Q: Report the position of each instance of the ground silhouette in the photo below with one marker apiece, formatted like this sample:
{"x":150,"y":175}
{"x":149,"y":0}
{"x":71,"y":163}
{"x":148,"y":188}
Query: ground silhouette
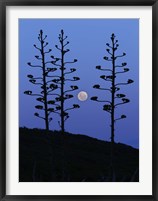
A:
{"x":49,"y":156}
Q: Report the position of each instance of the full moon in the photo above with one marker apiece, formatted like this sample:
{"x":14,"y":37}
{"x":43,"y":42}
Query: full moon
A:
{"x":82,"y":96}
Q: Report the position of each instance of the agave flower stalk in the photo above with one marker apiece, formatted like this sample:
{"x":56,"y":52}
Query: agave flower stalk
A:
{"x":65,"y":70}
{"x":42,"y":81}
{"x":110,"y":76}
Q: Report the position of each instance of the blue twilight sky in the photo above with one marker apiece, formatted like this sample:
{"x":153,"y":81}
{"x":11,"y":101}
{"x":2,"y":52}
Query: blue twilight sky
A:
{"x":88,"y":38}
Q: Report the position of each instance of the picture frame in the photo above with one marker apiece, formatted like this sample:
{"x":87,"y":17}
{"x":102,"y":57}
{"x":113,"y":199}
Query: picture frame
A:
{"x":3,"y":100}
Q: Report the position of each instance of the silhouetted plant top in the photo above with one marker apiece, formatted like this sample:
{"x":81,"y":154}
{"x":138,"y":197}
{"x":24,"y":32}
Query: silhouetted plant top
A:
{"x":65,"y":70}
{"x":110,"y":76}
{"x":44,"y":81}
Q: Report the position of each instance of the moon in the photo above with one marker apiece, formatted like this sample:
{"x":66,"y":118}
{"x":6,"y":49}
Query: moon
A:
{"x":82,"y":96}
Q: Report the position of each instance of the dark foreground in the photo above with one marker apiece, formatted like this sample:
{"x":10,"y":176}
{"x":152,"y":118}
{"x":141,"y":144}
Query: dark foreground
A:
{"x":53,"y":157}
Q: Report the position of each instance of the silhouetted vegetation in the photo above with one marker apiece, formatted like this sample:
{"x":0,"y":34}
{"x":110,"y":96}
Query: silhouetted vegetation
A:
{"x":117,"y":98}
{"x":47,"y":156}
{"x":110,"y":76}
{"x":65,"y":69}
{"x":56,"y":102}
{"x":43,"y":80}
{"x":41,"y":158}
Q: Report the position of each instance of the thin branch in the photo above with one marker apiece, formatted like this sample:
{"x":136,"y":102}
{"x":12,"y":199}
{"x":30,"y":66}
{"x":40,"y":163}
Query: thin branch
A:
{"x":109,"y":52}
{"x":66,"y":43}
{"x":109,"y":45}
{"x":70,"y":62}
{"x":120,"y":55}
{"x":45,"y":44}
{"x":37,"y":47}
{"x":49,"y":62}
{"x":34,"y":82}
{"x":36,"y":95}
{"x":103,"y":101}
{"x":122,"y":117}
{"x":103,"y":69}
{"x":68,"y":72}
{"x":106,"y":78}
{"x":56,"y":112}
{"x":65,"y":38}
{"x":104,"y":89}
{"x":40,"y":117}
{"x":37,"y":83}
{"x":48,"y":51}
{"x":70,"y":80}
{"x":34,"y":66}
{"x":57,"y":47}
{"x":68,"y":91}
{"x":121,"y":72}
{"x":121,"y":84}
{"x":72,"y":70}
{"x":57,"y":64}
{"x":97,"y":86}
{"x":37,"y":57}
{"x":45,"y":37}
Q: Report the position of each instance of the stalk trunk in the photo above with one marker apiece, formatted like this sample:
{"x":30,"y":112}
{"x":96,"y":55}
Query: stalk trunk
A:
{"x":62,"y":85}
{"x":44,"y":84}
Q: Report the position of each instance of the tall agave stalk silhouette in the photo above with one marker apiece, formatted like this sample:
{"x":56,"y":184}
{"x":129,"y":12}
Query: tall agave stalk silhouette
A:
{"x":64,"y":71}
{"x":110,"y":76}
{"x":46,"y":85}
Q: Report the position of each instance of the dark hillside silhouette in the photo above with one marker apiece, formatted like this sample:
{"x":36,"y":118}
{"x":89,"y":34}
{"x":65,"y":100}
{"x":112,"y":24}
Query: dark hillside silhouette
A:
{"x":41,"y":158}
